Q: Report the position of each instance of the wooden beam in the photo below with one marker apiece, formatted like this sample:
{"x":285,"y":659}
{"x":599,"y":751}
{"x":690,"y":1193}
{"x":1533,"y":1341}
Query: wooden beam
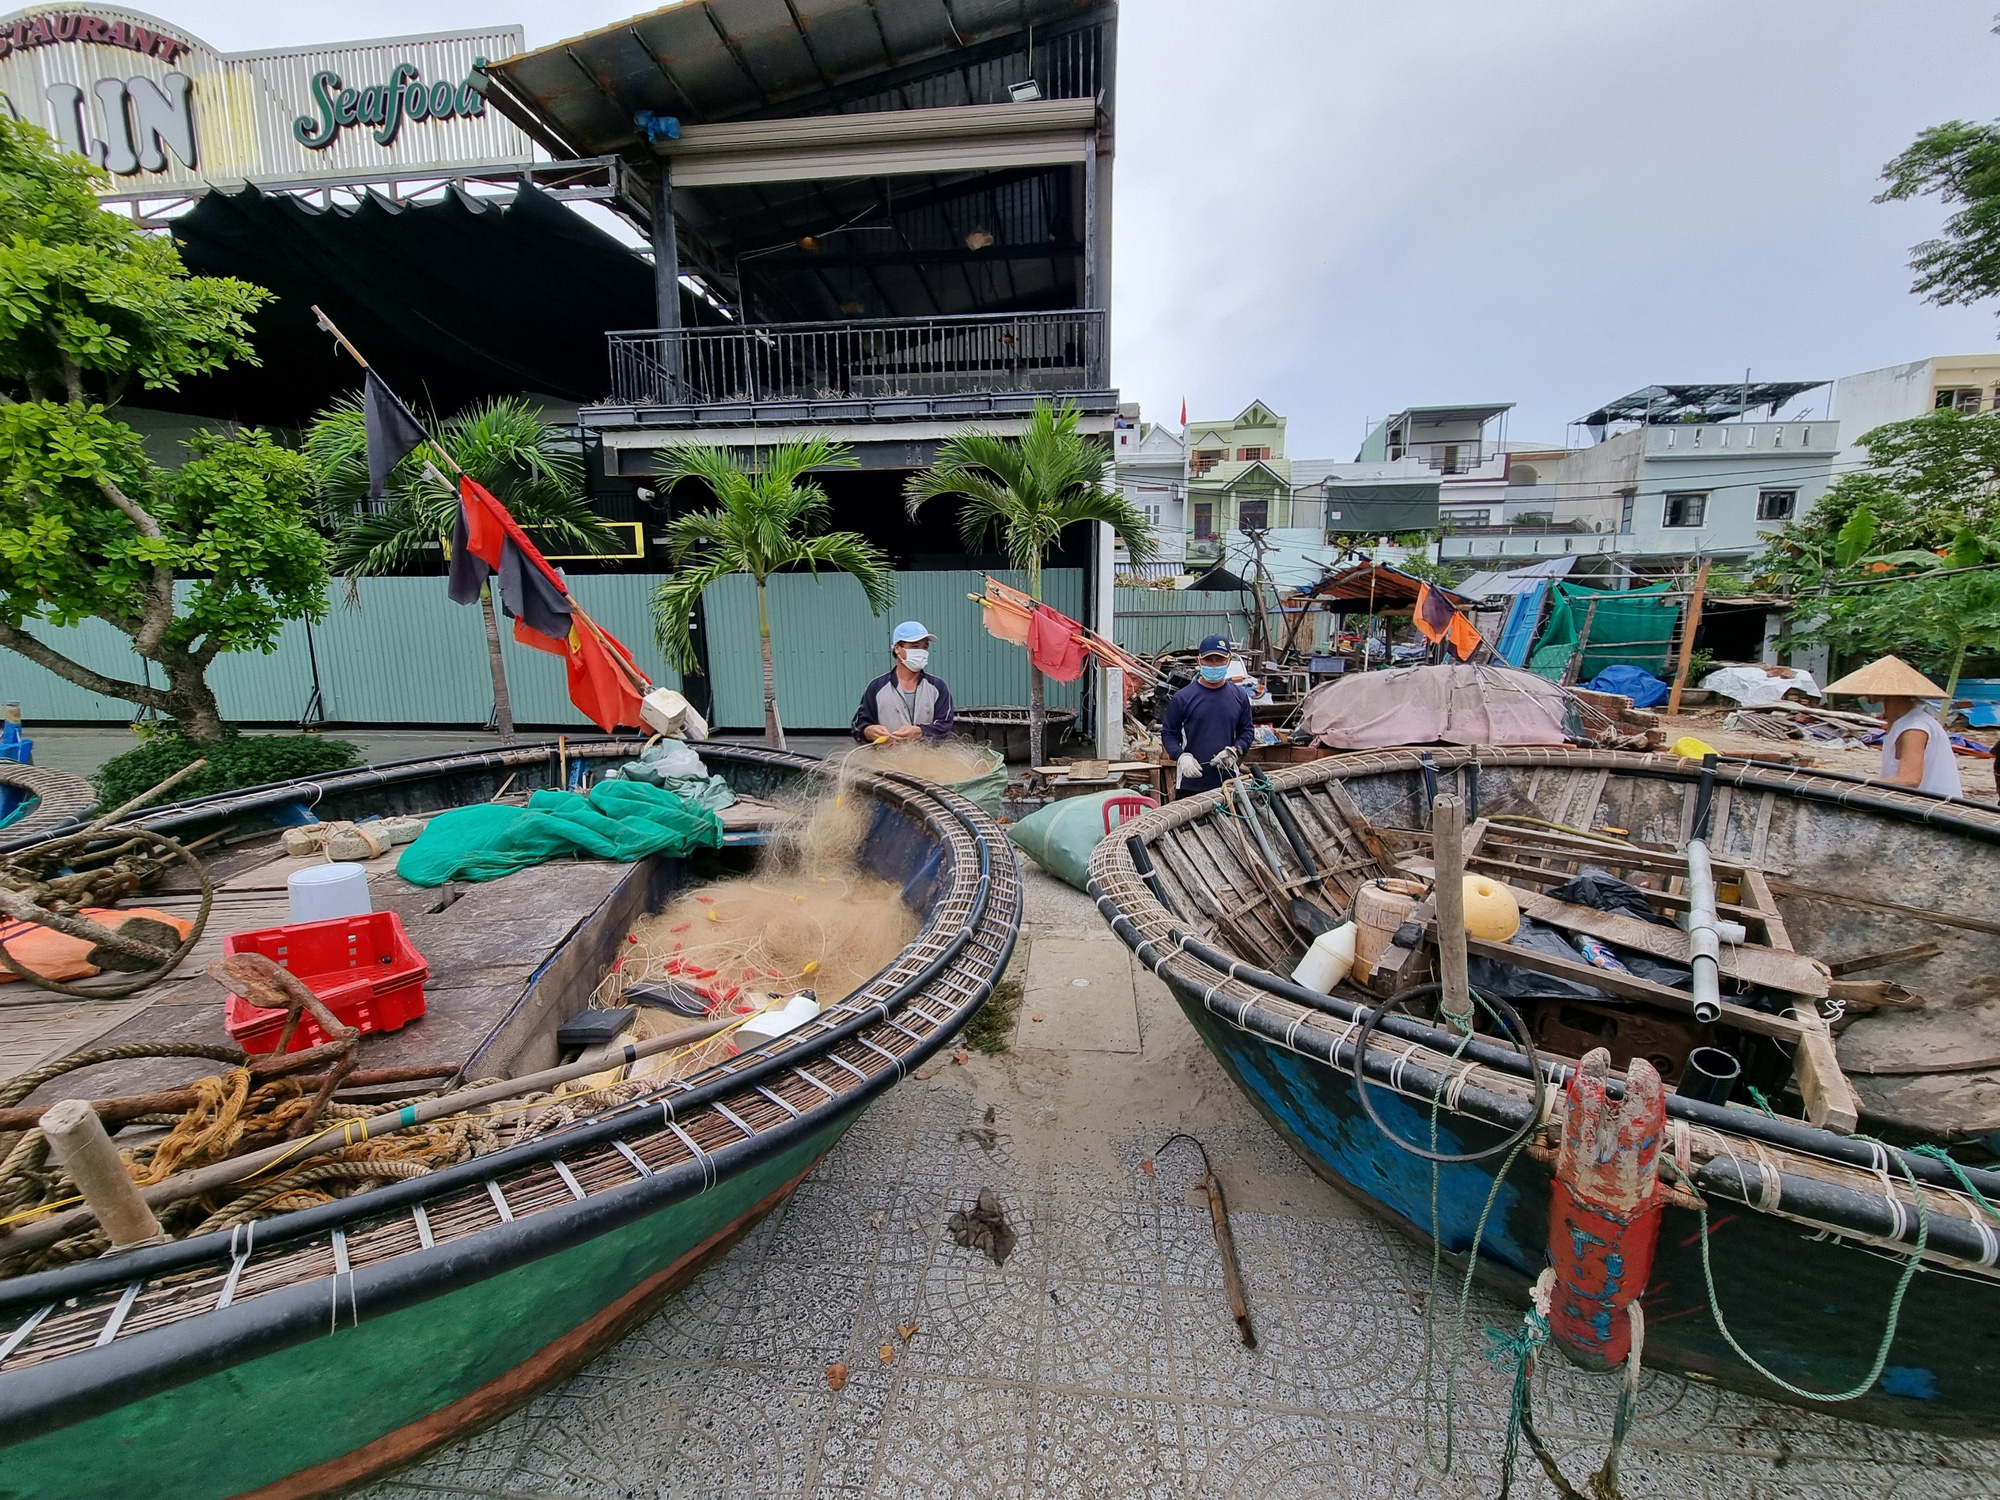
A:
{"x":1774,"y":968}
{"x":1909,"y":954}
{"x":1894,"y":908}
{"x":1632,"y":987}
{"x":1359,"y":825}
{"x":1688,"y":627}
{"x":1448,"y":894}
{"x":1830,"y":1100}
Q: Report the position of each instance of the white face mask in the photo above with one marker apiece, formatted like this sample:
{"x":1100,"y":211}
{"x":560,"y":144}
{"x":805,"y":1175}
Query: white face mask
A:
{"x":916,"y":658}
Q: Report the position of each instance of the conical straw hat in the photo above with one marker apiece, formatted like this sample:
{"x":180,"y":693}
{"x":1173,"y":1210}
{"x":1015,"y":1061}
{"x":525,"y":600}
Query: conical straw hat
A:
{"x":1890,"y":677}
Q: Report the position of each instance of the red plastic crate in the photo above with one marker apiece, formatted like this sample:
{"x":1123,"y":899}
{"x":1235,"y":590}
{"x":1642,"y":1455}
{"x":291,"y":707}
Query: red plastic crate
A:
{"x":364,"y":969}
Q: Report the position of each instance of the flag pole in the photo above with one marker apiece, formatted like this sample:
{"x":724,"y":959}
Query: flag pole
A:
{"x":633,"y":676}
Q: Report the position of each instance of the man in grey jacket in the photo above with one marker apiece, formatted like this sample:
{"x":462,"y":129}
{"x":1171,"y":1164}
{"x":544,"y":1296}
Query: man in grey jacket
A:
{"x":906,"y":702}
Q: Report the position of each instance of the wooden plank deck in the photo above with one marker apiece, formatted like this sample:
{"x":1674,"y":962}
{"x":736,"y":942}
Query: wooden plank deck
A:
{"x":483,"y":942}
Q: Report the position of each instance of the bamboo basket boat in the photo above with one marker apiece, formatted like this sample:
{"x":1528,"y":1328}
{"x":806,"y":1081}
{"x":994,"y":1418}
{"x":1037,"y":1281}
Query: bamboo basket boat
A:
{"x":310,"y":1352}
{"x":1812,"y":1233}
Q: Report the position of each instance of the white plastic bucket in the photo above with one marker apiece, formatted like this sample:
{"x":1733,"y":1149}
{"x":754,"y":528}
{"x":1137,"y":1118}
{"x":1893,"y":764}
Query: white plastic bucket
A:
{"x":321,"y":892}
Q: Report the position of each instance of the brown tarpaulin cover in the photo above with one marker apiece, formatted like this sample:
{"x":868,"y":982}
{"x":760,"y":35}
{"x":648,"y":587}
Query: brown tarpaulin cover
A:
{"x":1453,"y":705}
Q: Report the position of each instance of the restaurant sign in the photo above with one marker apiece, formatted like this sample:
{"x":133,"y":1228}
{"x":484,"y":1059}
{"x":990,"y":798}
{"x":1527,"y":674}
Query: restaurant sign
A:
{"x":162,"y":112}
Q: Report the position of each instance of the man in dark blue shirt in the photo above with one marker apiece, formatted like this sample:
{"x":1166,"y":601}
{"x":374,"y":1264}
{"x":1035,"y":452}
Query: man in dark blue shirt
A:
{"x":1207,"y":727}
{"x":905,"y":702}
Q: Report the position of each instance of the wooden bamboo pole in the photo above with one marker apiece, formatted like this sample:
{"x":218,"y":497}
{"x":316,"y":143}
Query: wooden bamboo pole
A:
{"x":1688,"y":627}
{"x":1448,"y":895}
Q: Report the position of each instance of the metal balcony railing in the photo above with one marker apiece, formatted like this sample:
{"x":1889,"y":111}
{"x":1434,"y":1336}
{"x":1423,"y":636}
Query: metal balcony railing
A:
{"x":912,"y":357}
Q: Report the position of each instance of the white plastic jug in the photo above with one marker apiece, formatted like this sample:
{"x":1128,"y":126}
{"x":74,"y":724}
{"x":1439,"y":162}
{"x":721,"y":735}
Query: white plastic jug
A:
{"x":1327,"y":961}
{"x":321,"y":892}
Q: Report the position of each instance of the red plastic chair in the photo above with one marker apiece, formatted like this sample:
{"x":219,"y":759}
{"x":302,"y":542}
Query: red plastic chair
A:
{"x":1129,"y":806}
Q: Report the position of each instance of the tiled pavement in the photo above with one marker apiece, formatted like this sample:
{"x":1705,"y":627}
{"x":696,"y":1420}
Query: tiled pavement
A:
{"x":1101,"y":1360}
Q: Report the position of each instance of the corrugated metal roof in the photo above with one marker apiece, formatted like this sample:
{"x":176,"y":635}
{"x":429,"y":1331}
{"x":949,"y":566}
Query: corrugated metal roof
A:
{"x":711,"y":60}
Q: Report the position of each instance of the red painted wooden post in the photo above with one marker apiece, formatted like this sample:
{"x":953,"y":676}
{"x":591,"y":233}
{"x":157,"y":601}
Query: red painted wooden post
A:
{"x":1604,"y":1214}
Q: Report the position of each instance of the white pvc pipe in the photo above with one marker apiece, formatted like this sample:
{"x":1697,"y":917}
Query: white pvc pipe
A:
{"x":1704,"y":941}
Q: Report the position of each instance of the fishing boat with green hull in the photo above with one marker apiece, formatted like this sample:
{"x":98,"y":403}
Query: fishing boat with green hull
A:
{"x":312,"y":1351}
{"x":1830,"y":1235}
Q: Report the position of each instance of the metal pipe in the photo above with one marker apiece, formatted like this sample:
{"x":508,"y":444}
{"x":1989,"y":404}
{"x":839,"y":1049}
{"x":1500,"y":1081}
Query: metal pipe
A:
{"x":1704,"y":942}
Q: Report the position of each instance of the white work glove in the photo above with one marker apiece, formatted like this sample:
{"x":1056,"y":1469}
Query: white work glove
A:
{"x":1225,"y":761}
{"x":1189,"y":767}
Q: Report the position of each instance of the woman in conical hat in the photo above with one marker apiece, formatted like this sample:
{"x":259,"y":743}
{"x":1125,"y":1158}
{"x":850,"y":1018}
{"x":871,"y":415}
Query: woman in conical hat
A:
{"x":1916,"y":750}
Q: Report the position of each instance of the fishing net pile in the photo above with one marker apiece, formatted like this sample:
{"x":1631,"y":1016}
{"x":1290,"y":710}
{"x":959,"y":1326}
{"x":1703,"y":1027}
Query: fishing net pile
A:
{"x":807,"y":919}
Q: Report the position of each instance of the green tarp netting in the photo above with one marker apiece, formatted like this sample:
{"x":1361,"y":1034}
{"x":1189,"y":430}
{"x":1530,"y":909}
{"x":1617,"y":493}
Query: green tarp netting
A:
{"x":1630,"y":626}
{"x":623,"y":820}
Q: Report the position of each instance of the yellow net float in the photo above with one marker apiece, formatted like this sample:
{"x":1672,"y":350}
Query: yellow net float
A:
{"x":1491,"y":912}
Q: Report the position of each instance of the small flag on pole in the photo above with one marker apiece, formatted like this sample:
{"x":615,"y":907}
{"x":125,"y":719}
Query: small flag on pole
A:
{"x":392,"y":432}
{"x":486,"y":541}
{"x":1183,"y":411}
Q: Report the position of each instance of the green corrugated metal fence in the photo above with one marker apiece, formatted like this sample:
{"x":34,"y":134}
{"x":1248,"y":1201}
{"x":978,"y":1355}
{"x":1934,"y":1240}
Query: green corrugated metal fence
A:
{"x":826,"y":645}
{"x":403,"y":653}
{"x":1149,"y":621}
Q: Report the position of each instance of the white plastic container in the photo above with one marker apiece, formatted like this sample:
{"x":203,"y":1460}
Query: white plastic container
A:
{"x":759,"y":1029}
{"x":321,"y":892}
{"x":1327,"y":961}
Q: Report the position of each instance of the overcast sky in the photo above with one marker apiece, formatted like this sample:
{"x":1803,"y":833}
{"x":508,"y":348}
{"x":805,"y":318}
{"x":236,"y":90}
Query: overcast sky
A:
{"x":1347,"y":208}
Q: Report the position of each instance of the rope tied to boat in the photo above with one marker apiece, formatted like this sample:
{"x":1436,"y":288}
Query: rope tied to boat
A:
{"x":1913,"y":1262}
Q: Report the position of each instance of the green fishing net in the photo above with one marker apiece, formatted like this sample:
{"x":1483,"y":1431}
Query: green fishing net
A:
{"x":624,"y":820}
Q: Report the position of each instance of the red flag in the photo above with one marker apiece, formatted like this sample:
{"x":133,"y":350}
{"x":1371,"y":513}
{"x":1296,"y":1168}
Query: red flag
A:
{"x":487,"y":542}
{"x":601,"y":673}
{"x":1052,"y":645}
{"x":1183,"y":411}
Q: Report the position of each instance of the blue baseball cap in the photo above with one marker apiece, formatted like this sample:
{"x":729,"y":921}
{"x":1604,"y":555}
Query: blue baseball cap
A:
{"x":1214,"y":645}
{"x":908,"y":632}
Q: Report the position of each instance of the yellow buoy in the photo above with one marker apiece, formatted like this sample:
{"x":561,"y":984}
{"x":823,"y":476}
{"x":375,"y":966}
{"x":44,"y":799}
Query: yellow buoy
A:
{"x":1491,"y":912}
{"x":1687,"y":747}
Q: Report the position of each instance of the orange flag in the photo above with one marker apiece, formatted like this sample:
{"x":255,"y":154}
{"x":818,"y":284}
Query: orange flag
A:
{"x":1008,"y":613}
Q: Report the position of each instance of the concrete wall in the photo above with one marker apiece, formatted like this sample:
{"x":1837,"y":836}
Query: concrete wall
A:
{"x":1732,"y":462}
{"x":1863,"y":402}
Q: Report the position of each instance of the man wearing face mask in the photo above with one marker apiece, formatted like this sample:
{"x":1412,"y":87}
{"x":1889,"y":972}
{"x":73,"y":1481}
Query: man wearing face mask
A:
{"x":906,"y":702}
{"x":1207,"y":727}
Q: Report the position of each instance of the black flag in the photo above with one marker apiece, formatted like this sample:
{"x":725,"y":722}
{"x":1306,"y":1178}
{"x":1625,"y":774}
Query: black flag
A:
{"x":392,"y":432}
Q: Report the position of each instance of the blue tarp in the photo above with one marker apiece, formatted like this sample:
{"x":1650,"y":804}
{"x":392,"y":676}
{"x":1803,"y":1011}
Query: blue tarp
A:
{"x":1523,"y":615}
{"x":1643,"y":688}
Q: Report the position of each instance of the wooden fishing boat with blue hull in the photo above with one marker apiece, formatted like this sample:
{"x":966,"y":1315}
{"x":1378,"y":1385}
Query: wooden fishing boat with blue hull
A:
{"x":312,"y":1351}
{"x":1811,"y":1230}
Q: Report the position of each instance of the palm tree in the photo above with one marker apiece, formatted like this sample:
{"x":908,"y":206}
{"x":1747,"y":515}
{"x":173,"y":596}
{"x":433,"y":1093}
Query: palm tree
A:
{"x":530,"y":465}
{"x":768,"y":517}
{"x":1029,"y":490}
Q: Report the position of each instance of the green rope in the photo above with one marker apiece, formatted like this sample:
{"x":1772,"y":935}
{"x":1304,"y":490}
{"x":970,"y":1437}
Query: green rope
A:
{"x":1910,"y":1268}
{"x":1757,"y":1098}
{"x":1938,"y":1153}
{"x":1519,"y":1349}
{"x":1465,"y":1286}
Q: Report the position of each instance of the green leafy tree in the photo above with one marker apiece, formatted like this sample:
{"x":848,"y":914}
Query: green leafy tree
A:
{"x":189,"y":563}
{"x":768,"y":518}
{"x":1931,"y":608}
{"x":531,"y":466}
{"x":1028,"y":491}
{"x":1928,"y":479}
{"x":1958,"y":163}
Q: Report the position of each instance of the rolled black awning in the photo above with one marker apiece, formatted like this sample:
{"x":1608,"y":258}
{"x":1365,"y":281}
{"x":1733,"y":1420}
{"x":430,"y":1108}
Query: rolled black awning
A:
{"x":453,"y":300}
